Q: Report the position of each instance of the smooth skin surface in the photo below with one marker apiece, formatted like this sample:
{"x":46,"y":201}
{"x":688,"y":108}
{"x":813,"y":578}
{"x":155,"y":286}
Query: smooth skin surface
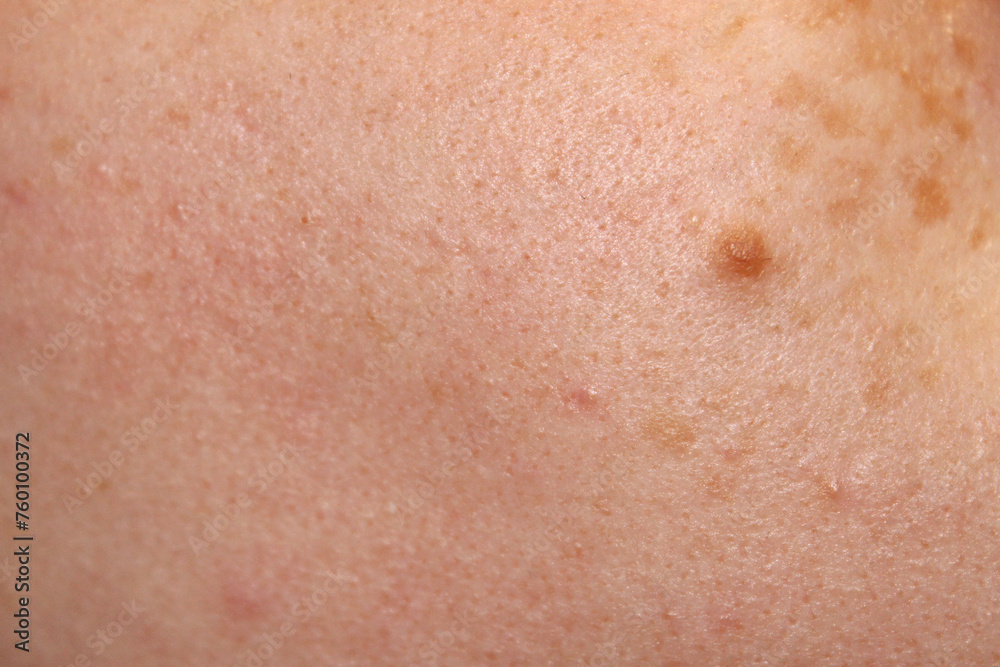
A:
{"x":498,"y":333}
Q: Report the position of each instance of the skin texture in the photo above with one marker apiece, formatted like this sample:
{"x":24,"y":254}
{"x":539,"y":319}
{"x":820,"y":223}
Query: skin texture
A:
{"x":505,"y":333}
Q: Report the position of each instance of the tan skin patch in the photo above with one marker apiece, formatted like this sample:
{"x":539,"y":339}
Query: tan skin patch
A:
{"x":740,"y":252}
{"x":966,"y":51}
{"x":793,"y":155}
{"x":930,"y":200}
{"x":671,"y":432}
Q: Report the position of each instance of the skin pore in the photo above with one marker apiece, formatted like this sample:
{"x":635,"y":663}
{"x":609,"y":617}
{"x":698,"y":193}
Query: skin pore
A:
{"x":505,"y":333}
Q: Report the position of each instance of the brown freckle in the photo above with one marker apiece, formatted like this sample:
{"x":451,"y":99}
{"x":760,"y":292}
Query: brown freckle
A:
{"x":15,"y":193}
{"x":792,"y":154}
{"x":965,"y":51}
{"x":793,"y":91}
{"x":930,"y":201}
{"x":663,"y":289}
{"x":672,"y":432}
{"x":665,"y":68}
{"x":741,"y":252}
{"x":734,"y":28}
{"x":876,"y":392}
{"x":844,"y":212}
{"x":305,"y":220}
{"x":837,"y":121}
{"x":61,"y":145}
{"x":977,"y":237}
{"x":930,"y":376}
{"x":178,"y":116}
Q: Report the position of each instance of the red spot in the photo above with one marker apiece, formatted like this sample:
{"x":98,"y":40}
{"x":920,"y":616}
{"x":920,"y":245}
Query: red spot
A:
{"x":583,"y":398}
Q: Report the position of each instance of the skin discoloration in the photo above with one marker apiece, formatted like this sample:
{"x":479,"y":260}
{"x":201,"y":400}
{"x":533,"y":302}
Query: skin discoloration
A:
{"x":930,"y":200}
{"x":670,"y":431}
{"x":793,"y":154}
{"x":741,"y":252}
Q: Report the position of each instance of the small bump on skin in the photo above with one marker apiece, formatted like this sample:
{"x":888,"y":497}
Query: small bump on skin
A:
{"x":930,"y":200}
{"x":740,"y":252}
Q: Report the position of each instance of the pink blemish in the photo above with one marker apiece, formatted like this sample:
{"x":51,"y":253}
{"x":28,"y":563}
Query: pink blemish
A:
{"x":583,"y":398}
{"x":16,"y":194}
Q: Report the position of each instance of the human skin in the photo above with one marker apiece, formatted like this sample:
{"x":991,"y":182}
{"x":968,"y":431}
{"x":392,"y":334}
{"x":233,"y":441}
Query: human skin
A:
{"x":646,"y":333}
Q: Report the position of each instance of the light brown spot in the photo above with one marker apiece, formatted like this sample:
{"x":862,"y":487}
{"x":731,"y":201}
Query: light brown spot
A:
{"x":876,"y":392}
{"x":793,"y":154}
{"x":930,"y":200}
{"x":844,"y":212}
{"x":670,"y":431}
{"x":838,"y":121}
{"x":665,"y":68}
{"x":61,"y":145}
{"x":965,"y":51}
{"x":734,"y":28}
{"x":740,"y":252}
{"x":178,"y":116}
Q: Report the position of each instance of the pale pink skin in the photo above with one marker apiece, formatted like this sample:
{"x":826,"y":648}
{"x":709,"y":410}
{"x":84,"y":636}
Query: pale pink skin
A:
{"x":626,"y":333}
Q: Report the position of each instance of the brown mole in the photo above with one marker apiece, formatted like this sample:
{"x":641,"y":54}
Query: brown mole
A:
{"x":740,"y":251}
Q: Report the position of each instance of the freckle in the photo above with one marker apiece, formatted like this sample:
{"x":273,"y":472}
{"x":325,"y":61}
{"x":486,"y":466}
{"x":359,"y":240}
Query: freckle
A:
{"x":843,"y":213}
{"x":61,"y":145}
{"x":977,"y":237}
{"x":965,"y":51}
{"x":876,"y":392}
{"x":931,"y":203}
{"x":962,"y":128}
{"x":837,"y":121}
{"x":665,"y":68}
{"x":178,"y":116}
{"x":734,"y":28}
{"x":15,"y":193}
{"x":793,"y":91}
{"x":929,"y":377}
{"x":740,"y":252}
{"x":663,"y":289}
{"x":793,"y":154}
{"x":672,"y":432}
